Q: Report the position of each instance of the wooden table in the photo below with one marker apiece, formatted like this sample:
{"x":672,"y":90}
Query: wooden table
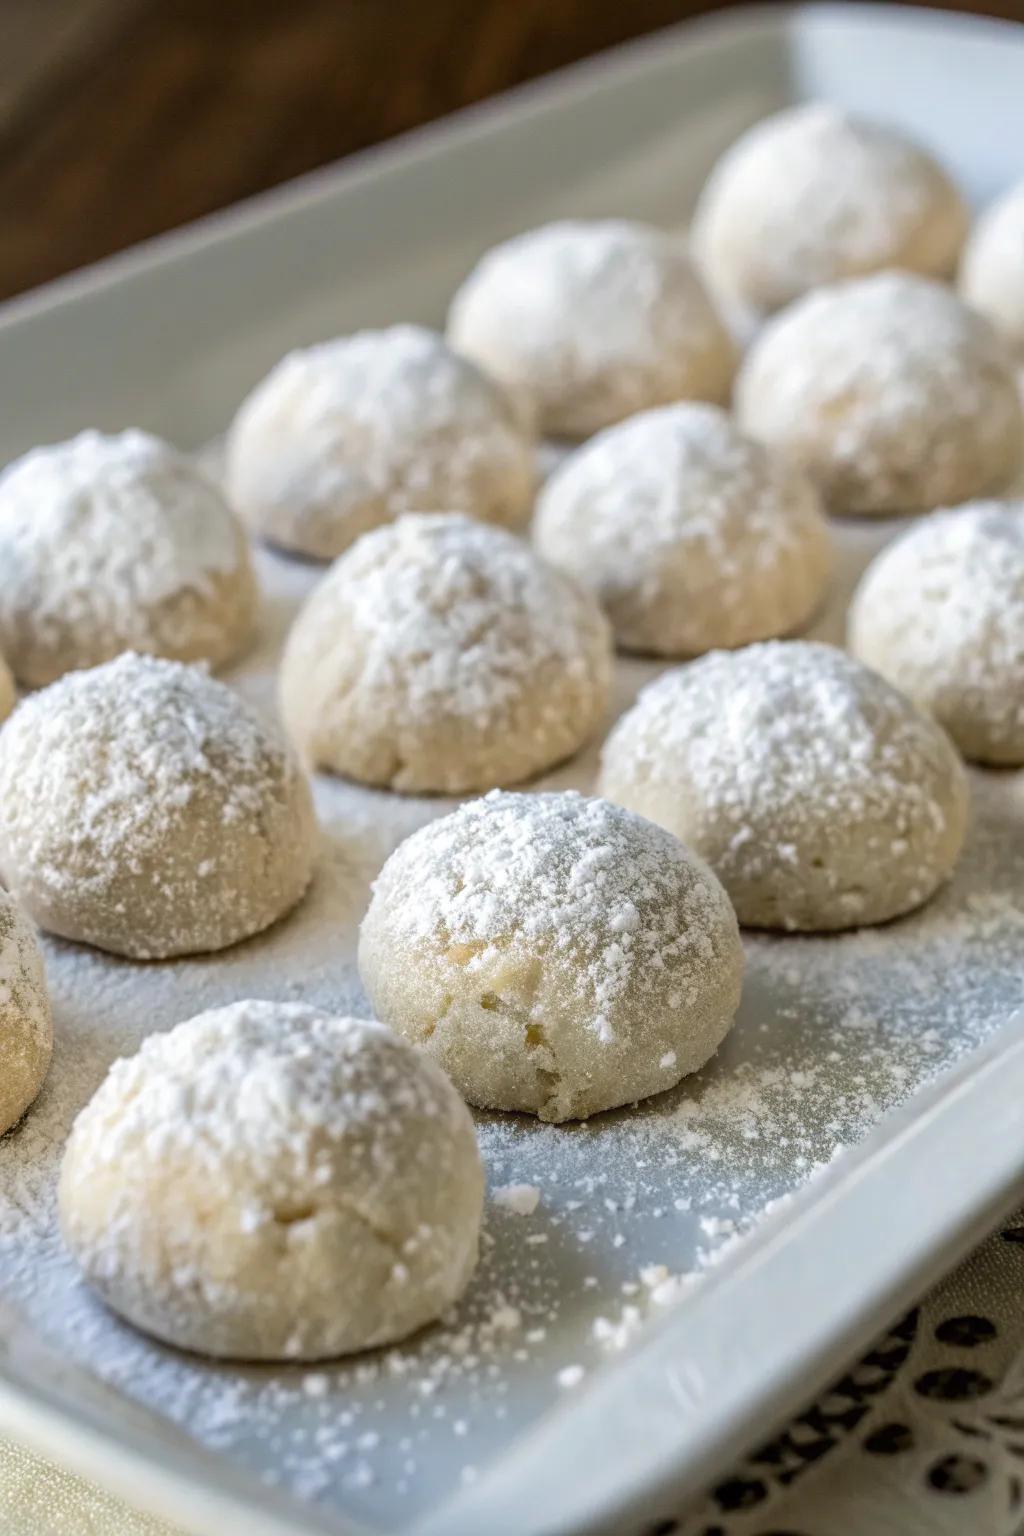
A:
{"x":123,"y":118}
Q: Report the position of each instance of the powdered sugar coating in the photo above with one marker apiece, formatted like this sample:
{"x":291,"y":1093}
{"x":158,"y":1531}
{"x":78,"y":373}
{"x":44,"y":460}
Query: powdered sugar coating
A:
{"x":992,"y":268}
{"x":819,"y":795}
{"x":268,"y":1181}
{"x":691,"y":535}
{"x":26,"y":1028}
{"x":442,"y":655}
{"x":342,"y":437}
{"x":814,"y":194}
{"x":115,"y":543}
{"x":554,"y":953}
{"x":890,"y":392}
{"x":146,"y":809}
{"x":940,"y":613}
{"x":592,"y":321}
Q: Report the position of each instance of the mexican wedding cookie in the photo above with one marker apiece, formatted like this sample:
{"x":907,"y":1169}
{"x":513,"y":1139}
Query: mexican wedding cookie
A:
{"x":940,"y":613}
{"x":344,"y":436}
{"x":892,"y":394}
{"x":146,"y":809}
{"x":26,"y":1028}
{"x":555,"y":954}
{"x":592,"y":322}
{"x":992,"y":269}
{"x":819,"y":795}
{"x":110,"y":544}
{"x":269,"y":1182}
{"x":442,"y":656}
{"x":689,"y":534}
{"x":814,"y":194}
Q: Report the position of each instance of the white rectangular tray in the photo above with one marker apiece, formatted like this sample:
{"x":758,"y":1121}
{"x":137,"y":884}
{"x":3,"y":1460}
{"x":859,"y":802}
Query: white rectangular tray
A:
{"x":897,"y":1044}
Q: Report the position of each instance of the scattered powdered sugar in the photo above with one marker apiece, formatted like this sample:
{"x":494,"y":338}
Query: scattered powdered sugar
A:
{"x":520,"y":1199}
{"x":832,"y":1033}
{"x":114,"y":542}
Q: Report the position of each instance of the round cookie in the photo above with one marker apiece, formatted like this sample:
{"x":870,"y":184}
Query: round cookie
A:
{"x":940,"y":613}
{"x":270,"y":1182}
{"x":344,"y":436}
{"x":592,"y":321}
{"x":146,"y":809}
{"x":815,"y":194}
{"x":26,"y":1028}
{"x":691,"y":535}
{"x":442,"y":656}
{"x":819,"y":795}
{"x":992,"y":267}
{"x":555,"y":954}
{"x":892,"y":394}
{"x":117,"y":543}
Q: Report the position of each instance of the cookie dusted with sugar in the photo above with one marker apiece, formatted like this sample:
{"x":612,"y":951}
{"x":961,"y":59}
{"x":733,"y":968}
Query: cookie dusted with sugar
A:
{"x":342,"y":437}
{"x":146,"y":809}
{"x":815,"y":194}
{"x":940,"y":613}
{"x":592,"y":321}
{"x":271,"y":1182}
{"x":26,"y":1027}
{"x":442,"y":656}
{"x":818,"y":794}
{"x":689,"y":534}
{"x":118,"y":543}
{"x":555,"y":954}
{"x":992,"y":268}
{"x":891,"y":393}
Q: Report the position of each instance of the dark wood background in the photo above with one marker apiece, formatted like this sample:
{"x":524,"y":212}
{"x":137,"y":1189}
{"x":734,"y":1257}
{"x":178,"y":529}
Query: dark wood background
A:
{"x":123,"y":118}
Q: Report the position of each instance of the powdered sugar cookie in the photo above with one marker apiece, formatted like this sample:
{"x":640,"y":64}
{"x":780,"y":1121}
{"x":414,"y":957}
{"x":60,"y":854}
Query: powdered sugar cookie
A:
{"x":814,"y":194}
{"x":117,"y":543}
{"x":554,"y":954}
{"x":819,"y":795}
{"x":342,"y":437}
{"x":439,"y":655}
{"x":26,"y":1028}
{"x":270,"y":1182}
{"x":992,"y":268}
{"x":940,"y":613}
{"x":146,"y":809}
{"x":690,"y":535}
{"x":592,"y":321}
{"x":893,"y":395}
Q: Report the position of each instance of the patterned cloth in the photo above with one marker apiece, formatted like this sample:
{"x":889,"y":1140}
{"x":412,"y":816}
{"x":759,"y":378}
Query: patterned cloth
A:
{"x":925,"y":1437}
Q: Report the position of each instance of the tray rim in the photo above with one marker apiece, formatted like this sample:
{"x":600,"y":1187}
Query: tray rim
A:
{"x":206,"y":1489}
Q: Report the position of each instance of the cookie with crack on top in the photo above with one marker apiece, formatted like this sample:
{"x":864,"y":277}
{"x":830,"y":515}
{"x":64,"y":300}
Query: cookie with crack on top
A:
{"x":555,"y":954}
{"x":26,"y":1026}
{"x":344,"y":436}
{"x":691,"y":536}
{"x":146,"y":809}
{"x":940,"y":613}
{"x":118,"y":543}
{"x":271,"y":1182}
{"x":814,"y":194}
{"x":819,"y":795}
{"x":442,"y":656}
{"x":591,"y":321}
{"x":889,"y":392}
